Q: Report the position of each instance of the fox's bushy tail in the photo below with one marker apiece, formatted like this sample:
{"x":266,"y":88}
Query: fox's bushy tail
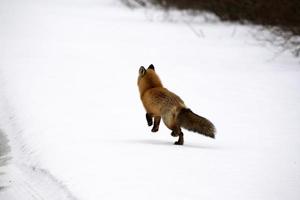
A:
{"x":193,"y":122}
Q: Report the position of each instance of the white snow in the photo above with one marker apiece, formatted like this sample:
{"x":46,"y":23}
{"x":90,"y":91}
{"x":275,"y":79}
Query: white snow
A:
{"x":70,"y":107}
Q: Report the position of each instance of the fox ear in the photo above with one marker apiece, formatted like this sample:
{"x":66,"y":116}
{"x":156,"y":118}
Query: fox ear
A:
{"x":151,"y":67}
{"x":142,"y":70}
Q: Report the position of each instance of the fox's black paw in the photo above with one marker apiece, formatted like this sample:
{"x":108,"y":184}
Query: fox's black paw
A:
{"x":154,"y":129}
{"x":178,"y":143}
{"x":150,"y":123}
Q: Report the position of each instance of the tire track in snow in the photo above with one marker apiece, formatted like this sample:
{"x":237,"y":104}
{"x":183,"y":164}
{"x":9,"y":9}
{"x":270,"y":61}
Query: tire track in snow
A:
{"x":4,"y":150}
{"x":26,"y":182}
{"x":31,"y":183}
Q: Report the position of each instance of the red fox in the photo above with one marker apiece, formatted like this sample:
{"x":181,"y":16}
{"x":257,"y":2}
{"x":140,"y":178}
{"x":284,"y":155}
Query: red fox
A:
{"x":161,"y":103}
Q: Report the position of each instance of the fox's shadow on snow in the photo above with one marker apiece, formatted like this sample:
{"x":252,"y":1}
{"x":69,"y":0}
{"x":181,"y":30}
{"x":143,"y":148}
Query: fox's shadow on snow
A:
{"x":165,"y":143}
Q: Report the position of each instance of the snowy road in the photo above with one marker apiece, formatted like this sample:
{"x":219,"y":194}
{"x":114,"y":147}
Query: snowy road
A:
{"x":70,"y":108}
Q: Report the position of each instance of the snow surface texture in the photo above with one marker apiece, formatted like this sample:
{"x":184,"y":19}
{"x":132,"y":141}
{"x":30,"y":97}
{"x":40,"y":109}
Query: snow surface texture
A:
{"x":70,"y":107}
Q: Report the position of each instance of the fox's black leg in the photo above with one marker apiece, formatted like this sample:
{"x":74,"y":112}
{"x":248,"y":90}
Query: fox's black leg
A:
{"x":149,"y":119}
{"x":180,"y":140}
{"x":177,"y":132}
{"x":156,"y":124}
{"x":174,"y":134}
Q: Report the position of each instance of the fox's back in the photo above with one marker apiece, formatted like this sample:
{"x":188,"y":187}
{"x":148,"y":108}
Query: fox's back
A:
{"x":160,"y":101}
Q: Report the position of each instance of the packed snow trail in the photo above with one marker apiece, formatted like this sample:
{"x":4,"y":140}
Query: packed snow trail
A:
{"x":20,"y":178}
{"x":71,"y":110}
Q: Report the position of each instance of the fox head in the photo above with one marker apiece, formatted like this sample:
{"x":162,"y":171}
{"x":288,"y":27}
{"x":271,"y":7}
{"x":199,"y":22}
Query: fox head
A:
{"x":148,"y":79}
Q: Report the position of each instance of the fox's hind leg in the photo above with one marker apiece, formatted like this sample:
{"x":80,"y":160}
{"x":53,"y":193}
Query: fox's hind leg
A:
{"x":180,"y":140}
{"x":149,"y":119}
{"x":177,"y":132}
{"x":156,"y":124}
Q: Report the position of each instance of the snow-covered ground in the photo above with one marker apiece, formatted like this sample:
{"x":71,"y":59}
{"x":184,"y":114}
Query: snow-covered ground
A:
{"x":70,"y":107}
